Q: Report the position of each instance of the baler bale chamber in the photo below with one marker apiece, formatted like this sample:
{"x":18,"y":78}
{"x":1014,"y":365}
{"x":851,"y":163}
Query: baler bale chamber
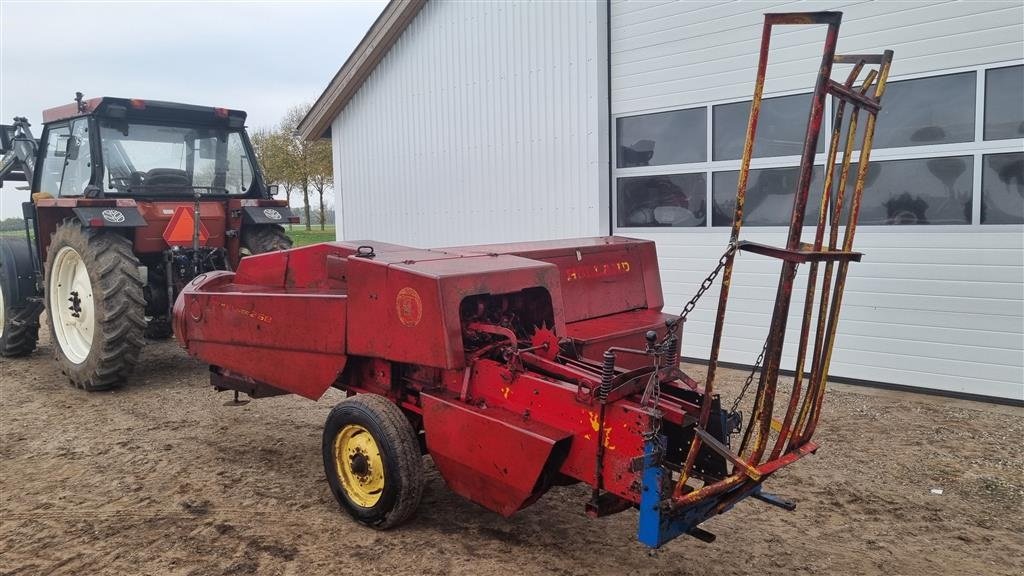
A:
{"x":518,"y":367}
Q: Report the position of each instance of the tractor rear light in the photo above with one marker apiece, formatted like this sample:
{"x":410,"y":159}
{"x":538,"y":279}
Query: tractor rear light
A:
{"x":293,"y":219}
{"x":95,"y":222}
{"x":220,"y":112}
{"x":138,"y":104}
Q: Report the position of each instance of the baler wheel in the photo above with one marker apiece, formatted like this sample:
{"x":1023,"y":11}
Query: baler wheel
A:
{"x":372,"y":461}
{"x":95,"y":304}
{"x":260,"y":238}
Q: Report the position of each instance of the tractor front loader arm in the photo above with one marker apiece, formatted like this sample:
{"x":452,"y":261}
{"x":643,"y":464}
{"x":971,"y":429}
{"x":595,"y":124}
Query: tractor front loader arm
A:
{"x":19,"y":149}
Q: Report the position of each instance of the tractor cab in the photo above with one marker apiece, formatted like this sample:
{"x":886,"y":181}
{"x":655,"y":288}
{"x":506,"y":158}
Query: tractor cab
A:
{"x":121,"y":147}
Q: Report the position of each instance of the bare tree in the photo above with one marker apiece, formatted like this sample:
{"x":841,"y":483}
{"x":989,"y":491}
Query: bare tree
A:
{"x":321,"y":175}
{"x":295,"y":163}
{"x":272,"y":149}
{"x":309,"y":165}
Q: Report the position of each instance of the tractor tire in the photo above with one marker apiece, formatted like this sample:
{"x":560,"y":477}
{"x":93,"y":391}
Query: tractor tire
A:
{"x":372,"y":460}
{"x":260,"y":238}
{"x":19,"y":304}
{"x":96,"y":305}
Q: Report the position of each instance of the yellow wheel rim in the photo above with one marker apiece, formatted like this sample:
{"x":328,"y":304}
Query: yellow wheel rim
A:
{"x":359,"y":465}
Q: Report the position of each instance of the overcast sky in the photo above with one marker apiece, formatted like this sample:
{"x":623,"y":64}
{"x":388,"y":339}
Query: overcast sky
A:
{"x":261,"y":57}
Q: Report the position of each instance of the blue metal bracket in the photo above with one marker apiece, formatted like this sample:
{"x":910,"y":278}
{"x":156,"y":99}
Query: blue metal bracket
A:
{"x":658,"y":525}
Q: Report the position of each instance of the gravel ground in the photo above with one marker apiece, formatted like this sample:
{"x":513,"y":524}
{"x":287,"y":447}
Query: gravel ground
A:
{"x":161,"y":478}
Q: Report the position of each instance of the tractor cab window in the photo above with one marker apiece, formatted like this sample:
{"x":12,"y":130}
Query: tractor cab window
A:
{"x":77,"y":160}
{"x":163,"y":159}
{"x":53,"y":163}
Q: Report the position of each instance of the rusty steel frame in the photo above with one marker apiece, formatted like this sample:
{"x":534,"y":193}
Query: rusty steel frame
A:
{"x":794,"y":439}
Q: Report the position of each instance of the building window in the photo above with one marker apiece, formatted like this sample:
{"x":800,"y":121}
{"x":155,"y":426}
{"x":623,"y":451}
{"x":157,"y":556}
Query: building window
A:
{"x":927,"y":111}
{"x":663,"y":200}
{"x":1002,"y":189}
{"x":676,"y":137}
{"x":769,"y":200}
{"x":1004,"y":106}
{"x":948,"y":150}
{"x":918,"y":191}
{"x":777,"y":133}
{"x":924,"y":112}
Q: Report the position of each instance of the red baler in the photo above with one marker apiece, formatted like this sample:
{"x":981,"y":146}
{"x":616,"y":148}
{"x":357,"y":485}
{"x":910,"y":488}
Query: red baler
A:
{"x":518,"y":367}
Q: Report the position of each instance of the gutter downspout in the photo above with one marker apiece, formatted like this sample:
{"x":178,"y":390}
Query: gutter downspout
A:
{"x":611,"y":137}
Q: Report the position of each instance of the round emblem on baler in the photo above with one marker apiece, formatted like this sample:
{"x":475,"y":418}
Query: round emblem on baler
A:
{"x":409,"y":307}
{"x":114,"y":216}
{"x":271,"y":213}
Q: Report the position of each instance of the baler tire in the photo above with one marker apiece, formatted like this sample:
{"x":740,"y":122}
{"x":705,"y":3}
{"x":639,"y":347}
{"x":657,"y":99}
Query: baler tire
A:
{"x":399,"y":451}
{"x":117,"y":302}
{"x":262,"y":238}
{"x":19,"y":306}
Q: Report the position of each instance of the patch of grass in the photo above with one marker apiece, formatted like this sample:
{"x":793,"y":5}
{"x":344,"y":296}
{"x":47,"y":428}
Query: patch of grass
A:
{"x":302,"y":237}
{"x":19,"y":233}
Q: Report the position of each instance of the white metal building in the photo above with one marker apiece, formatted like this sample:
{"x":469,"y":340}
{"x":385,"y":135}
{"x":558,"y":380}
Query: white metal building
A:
{"x":470,"y":122}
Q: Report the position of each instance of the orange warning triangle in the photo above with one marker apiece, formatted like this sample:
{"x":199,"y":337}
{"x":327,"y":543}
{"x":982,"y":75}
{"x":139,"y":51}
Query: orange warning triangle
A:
{"x":181,"y":227}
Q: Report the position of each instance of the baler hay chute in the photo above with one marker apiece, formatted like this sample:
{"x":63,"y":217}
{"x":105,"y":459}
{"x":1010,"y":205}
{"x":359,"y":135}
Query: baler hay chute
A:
{"x":519,"y":367}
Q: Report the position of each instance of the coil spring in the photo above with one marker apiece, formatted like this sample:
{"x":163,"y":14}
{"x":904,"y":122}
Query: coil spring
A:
{"x":607,"y":374}
{"x":672,"y":361}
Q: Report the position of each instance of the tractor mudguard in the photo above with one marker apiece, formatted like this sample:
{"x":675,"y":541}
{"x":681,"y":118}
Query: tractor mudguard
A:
{"x":17,"y":270}
{"x":20,"y":303}
{"x":110,"y":217}
{"x":267,"y":215}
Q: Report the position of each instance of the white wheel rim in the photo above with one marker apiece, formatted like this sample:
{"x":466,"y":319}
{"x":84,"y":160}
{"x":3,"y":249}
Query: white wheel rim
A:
{"x":71,"y":305}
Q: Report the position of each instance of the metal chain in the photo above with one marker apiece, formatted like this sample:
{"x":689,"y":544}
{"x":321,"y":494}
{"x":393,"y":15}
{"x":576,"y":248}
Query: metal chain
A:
{"x":753,"y":370}
{"x":708,"y":281}
{"x":750,"y":377}
{"x":651,"y":399}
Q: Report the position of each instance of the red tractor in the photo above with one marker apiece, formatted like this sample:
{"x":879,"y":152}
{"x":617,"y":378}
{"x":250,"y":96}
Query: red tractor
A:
{"x":130,"y":200}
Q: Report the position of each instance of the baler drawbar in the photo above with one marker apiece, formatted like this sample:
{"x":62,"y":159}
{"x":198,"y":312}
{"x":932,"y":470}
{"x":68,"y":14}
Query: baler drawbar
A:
{"x":518,"y":367}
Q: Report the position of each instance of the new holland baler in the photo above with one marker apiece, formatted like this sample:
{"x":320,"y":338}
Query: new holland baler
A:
{"x":518,"y":367}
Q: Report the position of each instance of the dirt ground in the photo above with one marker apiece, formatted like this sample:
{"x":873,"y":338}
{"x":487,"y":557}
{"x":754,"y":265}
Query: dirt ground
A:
{"x":161,"y":478}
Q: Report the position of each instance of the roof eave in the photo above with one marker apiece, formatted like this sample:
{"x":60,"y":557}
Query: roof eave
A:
{"x":360,"y":64}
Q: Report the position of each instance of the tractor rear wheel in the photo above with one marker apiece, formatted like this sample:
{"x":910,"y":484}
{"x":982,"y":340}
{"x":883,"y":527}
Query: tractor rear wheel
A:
{"x":372,"y":460}
{"x":95,"y":303}
{"x":19,"y":305}
{"x":260,"y":238}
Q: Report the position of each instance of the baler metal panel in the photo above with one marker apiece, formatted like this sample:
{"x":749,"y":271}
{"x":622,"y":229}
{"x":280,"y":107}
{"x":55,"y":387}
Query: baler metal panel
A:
{"x":599,"y":276}
{"x":593,"y":336}
{"x":407,"y":310}
{"x":265,"y":334}
{"x":491,"y":456}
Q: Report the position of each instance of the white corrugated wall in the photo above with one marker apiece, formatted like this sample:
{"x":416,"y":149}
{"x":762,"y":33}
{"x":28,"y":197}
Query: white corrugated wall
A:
{"x":485,"y":122}
{"x":934,"y":307}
